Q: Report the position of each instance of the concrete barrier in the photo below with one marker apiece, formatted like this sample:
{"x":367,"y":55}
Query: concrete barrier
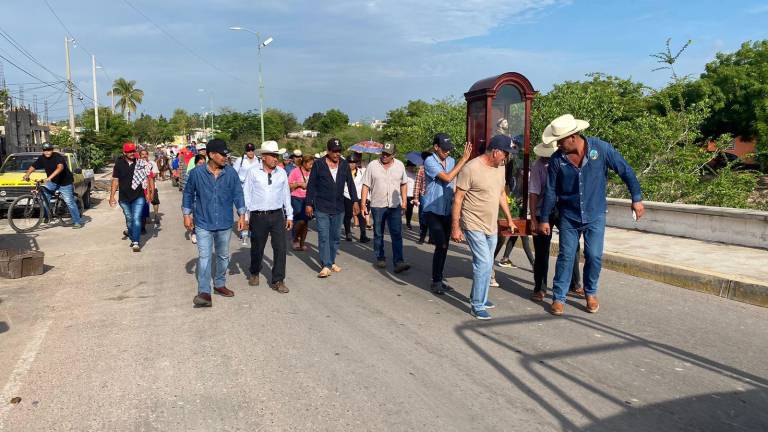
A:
{"x":724,"y":225}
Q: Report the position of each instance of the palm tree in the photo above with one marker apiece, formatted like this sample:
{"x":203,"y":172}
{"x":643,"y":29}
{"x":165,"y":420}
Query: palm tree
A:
{"x":129,"y":96}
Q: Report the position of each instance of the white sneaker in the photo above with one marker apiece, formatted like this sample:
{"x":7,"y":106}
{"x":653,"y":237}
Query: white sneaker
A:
{"x":194,"y":239}
{"x":136,"y":247}
{"x":494,"y":284}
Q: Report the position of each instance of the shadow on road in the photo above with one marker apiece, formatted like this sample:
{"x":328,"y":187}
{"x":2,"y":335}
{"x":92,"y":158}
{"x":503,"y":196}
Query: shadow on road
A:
{"x":3,"y":327}
{"x":709,"y":412}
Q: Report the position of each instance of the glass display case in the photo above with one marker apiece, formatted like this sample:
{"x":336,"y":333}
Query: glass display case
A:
{"x":501,"y":105}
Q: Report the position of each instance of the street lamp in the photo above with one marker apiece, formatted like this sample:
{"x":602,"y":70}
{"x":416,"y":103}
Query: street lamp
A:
{"x":210,"y":94}
{"x":262,"y":44}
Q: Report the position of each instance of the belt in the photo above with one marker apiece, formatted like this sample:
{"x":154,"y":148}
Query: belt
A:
{"x":266,"y":212}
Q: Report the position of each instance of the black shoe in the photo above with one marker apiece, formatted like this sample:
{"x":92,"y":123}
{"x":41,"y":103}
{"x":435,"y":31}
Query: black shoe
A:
{"x":401,"y":267}
{"x":421,"y":239}
{"x":348,"y":238}
{"x":364,"y":239}
{"x":125,"y":234}
{"x":437,"y":288}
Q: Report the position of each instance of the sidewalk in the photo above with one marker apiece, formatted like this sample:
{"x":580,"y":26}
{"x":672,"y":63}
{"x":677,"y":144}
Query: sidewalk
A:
{"x":733,"y":272}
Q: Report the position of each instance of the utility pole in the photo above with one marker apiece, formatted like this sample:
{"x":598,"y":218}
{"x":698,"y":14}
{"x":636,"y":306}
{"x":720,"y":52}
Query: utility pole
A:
{"x":70,"y":100}
{"x":95,"y":93}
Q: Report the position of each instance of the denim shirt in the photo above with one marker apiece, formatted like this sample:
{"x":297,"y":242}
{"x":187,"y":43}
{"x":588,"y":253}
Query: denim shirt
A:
{"x":580,"y":193}
{"x":212,"y":197}
{"x":438,"y":197}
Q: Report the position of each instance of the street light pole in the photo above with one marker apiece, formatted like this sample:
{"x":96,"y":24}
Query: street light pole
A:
{"x":95,"y":93}
{"x":210,"y":98}
{"x":266,"y":42}
{"x":70,"y":101}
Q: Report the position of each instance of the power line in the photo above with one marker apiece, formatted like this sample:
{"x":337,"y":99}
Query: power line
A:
{"x":26,"y":52}
{"x":178,"y":42}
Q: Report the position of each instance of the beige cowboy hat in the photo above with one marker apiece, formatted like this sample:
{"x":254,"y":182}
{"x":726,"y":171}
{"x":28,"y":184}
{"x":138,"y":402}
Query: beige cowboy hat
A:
{"x":545,"y":150}
{"x":270,"y":147}
{"x":561,"y":127}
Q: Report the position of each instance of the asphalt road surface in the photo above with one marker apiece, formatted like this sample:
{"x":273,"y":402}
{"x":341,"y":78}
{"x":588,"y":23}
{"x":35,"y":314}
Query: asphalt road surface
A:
{"x":108,"y":340}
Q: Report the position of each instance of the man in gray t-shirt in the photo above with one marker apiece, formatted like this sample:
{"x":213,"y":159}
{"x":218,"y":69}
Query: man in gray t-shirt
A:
{"x":385,"y":185}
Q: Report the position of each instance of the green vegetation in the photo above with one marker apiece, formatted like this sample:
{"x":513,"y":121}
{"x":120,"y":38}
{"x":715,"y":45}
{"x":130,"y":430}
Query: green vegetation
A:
{"x":129,"y":97}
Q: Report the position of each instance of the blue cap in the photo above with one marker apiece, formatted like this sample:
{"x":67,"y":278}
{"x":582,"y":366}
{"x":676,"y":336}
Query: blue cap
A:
{"x":503,"y":143}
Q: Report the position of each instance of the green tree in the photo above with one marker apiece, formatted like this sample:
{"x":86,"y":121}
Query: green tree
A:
{"x":181,"y":122}
{"x":333,"y":120}
{"x":3,"y":103}
{"x":737,"y":85}
{"x":412,"y":127}
{"x":129,"y":97}
{"x":313,"y":121}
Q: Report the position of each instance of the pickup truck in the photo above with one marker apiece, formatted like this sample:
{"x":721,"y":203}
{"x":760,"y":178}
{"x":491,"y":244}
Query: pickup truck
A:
{"x":12,"y":185}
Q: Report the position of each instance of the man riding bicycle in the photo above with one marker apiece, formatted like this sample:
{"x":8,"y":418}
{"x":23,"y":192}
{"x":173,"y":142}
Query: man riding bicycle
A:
{"x":59,"y":177}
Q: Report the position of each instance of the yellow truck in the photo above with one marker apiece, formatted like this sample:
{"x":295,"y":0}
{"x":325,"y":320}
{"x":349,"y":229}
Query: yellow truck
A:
{"x":15,"y":165}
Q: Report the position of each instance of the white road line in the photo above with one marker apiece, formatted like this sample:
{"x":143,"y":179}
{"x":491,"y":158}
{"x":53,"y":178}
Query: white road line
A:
{"x":22,"y":367}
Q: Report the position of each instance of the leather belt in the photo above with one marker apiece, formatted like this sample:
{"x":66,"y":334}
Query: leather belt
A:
{"x":266,"y":212}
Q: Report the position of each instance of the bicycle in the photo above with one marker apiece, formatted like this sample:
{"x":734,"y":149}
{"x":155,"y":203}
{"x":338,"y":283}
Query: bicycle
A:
{"x":28,"y":211}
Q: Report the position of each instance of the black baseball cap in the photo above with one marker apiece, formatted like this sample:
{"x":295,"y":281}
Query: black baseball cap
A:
{"x":47,"y":146}
{"x":443,"y":140}
{"x":503,"y":143}
{"x":333,"y":145}
{"x":248,"y":147}
{"x":217,"y":146}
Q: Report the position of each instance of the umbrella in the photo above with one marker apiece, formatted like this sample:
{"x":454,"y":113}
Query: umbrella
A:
{"x":414,"y":158}
{"x":370,"y":147}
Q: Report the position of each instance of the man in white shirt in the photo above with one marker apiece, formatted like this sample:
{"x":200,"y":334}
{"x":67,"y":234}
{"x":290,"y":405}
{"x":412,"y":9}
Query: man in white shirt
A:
{"x":246,"y":162}
{"x":268,"y":199}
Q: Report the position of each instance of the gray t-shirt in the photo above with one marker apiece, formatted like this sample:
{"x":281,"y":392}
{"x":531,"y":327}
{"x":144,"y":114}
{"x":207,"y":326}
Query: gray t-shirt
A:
{"x":384,"y":184}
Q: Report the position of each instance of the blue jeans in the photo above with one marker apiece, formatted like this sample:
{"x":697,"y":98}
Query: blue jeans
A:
{"x":67,"y":193}
{"x":482,"y":246}
{"x":329,"y":236}
{"x":570,"y":232}
{"x":393,"y":218}
{"x":132,"y":211}
{"x":206,"y":242}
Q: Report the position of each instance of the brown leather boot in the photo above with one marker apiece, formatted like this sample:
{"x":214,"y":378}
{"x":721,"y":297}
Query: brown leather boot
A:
{"x":557,"y":308}
{"x":592,"y":304}
{"x":224,"y":291}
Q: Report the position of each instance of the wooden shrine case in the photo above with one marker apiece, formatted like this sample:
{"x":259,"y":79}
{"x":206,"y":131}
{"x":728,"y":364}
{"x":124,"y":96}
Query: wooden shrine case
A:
{"x":502,"y":105}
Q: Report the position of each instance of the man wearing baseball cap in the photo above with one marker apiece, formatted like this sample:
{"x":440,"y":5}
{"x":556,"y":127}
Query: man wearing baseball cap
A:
{"x":475,"y":212}
{"x":325,"y":200}
{"x":577,"y":181}
{"x":129,"y":176}
{"x":211,"y":192}
{"x":440,"y":171}
{"x":294,"y":161}
{"x":385,"y":183}
{"x":58,"y":177}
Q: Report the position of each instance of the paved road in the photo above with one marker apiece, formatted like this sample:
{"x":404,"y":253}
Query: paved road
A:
{"x":107,"y":339}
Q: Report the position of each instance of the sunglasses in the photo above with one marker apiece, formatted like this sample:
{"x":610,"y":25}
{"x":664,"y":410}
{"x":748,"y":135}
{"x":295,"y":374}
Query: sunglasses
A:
{"x":269,"y":178}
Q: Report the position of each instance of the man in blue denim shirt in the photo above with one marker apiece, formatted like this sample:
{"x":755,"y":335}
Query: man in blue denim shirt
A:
{"x":210,"y":193}
{"x":577,"y":181}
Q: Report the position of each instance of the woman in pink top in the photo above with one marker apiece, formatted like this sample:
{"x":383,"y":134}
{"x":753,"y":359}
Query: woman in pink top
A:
{"x":297,"y":181}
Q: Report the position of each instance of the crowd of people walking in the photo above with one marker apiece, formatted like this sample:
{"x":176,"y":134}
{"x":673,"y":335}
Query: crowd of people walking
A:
{"x":275,"y":195}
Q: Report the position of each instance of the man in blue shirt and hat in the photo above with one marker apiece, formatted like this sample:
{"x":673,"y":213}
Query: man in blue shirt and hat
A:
{"x":576,"y":185}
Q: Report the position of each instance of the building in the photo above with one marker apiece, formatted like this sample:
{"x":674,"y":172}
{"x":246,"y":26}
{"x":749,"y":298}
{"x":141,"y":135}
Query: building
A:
{"x":744,"y":148}
{"x":21,"y":132}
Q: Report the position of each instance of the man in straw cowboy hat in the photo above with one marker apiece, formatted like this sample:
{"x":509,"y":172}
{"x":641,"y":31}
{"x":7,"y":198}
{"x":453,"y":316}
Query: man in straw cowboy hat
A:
{"x":268,"y":198}
{"x":576,"y":184}
{"x":541,"y":243}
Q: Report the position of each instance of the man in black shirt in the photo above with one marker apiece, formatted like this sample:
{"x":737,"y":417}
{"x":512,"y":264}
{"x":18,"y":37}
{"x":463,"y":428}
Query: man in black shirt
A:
{"x":59,"y":177}
{"x":131,"y":184}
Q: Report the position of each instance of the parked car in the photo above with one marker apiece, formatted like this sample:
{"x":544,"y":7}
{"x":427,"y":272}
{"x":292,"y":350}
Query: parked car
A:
{"x":12,"y":171}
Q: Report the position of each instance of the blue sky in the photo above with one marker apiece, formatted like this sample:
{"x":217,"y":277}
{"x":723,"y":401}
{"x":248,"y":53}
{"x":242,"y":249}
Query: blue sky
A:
{"x":363,"y":57}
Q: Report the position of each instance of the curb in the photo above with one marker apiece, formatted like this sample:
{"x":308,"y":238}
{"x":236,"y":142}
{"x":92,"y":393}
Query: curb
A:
{"x":732,"y":287}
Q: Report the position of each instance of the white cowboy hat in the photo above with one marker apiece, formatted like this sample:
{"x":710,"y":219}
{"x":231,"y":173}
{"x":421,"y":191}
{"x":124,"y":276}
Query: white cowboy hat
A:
{"x":545,"y":150}
{"x":270,"y":147}
{"x":298,"y":152}
{"x":562,"y":127}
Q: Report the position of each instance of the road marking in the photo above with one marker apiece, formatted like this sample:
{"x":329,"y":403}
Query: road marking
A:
{"x":22,"y":367}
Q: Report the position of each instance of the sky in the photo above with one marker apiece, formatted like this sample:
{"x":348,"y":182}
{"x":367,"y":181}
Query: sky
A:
{"x":363,"y":57}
